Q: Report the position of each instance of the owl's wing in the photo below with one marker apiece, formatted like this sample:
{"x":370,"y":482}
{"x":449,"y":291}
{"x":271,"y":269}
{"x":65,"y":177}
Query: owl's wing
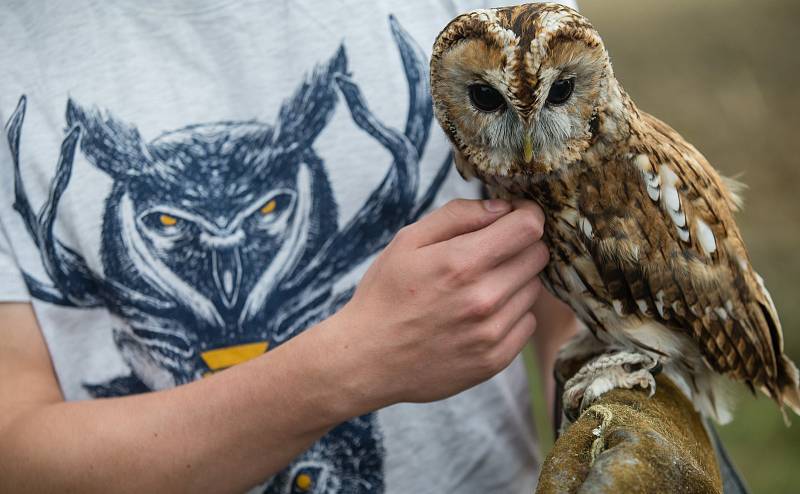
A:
{"x":665,"y":245}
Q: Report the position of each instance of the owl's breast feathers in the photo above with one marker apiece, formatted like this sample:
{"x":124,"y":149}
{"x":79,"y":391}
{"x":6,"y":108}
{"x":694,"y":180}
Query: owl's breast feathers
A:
{"x":645,"y":232}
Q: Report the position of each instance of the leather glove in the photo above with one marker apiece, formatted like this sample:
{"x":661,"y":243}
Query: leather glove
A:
{"x":627,"y":442}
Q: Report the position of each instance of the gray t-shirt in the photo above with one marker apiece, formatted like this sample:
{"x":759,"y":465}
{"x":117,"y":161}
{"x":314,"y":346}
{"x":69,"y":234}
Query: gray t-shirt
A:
{"x":186,"y":185}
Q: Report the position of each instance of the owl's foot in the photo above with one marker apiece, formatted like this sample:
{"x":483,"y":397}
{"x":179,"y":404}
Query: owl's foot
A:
{"x":604,"y":373}
{"x":582,"y":348}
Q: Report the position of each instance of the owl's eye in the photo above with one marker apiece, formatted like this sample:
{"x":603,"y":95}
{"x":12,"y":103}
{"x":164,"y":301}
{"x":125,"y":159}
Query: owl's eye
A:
{"x":303,"y":482}
{"x":165,"y":224}
{"x":560,"y":91}
{"x":485,"y":97}
{"x":273,"y":209}
{"x":167,"y":220}
{"x":309,"y":477}
{"x":268,"y":207}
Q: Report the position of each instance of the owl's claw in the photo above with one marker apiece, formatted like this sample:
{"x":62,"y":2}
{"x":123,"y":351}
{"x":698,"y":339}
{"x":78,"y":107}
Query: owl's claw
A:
{"x":616,"y":370}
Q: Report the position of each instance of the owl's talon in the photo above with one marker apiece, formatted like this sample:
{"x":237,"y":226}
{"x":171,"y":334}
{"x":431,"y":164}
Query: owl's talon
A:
{"x":616,"y":370}
{"x":572,"y":414}
{"x":657,"y":369}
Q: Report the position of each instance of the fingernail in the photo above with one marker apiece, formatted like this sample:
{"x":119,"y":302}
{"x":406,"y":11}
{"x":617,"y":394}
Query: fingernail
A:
{"x":496,"y":205}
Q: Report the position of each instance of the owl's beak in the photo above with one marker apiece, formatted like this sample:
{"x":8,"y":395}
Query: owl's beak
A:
{"x":527,"y":148}
{"x":227,"y":266}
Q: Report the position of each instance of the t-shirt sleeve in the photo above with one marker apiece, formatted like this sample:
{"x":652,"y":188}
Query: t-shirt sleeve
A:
{"x":12,"y":284}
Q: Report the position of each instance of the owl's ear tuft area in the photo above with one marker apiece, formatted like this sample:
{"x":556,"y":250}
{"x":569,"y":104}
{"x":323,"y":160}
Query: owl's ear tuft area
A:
{"x":464,"y":26}
{"x":305,"y":114}
{"x":338,"y":63}
{"x":109,"y":144}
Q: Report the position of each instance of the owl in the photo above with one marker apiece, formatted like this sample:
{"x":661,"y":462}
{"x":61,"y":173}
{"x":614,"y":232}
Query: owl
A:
{"x":640,"y":227}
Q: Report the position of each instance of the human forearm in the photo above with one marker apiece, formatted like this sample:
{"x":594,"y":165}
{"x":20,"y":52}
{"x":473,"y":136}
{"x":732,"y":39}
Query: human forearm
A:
{"x":223,"y":433}
{"x":444,"y":307}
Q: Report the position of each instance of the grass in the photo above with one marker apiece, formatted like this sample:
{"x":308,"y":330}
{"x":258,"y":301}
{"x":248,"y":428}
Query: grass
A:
{"x":724,"y":73}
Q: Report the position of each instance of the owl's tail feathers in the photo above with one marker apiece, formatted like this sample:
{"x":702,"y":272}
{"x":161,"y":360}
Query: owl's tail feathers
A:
{"x":790,"y":392}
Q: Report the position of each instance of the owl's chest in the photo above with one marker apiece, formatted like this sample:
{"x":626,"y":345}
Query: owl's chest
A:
{"x":573,"y":274}
{"x":567,"y":232}
{"x":585,"y":231}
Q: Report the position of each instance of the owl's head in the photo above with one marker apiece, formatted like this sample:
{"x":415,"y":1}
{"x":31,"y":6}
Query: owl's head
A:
{"x":517,"y":89}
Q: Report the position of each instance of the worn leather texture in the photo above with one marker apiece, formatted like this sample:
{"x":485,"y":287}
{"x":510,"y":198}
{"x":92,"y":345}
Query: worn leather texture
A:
{"x":627,"y":442}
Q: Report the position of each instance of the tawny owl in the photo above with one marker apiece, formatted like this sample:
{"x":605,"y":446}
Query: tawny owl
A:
{"x":643,"y":243}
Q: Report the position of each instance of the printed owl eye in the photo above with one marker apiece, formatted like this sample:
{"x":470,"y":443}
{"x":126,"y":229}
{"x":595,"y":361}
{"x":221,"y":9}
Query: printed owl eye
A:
{"x":560,"y":91}
{"x":273,"y":209}
{"x":486,"y":98}
{"x":309,"y":478}
{"x":303,"y":482}
{"x":167,"y":220}
{"x":164,"y":224}
{"x":268,"y":207}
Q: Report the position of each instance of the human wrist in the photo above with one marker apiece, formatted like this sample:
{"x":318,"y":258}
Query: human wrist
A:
{"x":345,"y":371}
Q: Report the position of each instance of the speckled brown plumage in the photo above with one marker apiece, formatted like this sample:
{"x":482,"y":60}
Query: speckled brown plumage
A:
{"x":643,"y":242}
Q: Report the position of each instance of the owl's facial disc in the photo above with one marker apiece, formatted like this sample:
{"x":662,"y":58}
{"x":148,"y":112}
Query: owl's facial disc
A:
{"x":516,"y":88}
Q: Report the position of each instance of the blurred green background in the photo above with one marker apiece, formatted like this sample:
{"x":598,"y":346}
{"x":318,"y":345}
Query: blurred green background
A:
{"x":726,"y":75}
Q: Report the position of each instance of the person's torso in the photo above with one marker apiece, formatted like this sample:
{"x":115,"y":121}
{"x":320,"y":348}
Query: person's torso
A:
{"x":196,"y":187}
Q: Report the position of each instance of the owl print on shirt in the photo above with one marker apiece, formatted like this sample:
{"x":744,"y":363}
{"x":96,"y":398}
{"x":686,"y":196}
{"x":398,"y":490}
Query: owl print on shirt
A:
{"x":222,"y":240}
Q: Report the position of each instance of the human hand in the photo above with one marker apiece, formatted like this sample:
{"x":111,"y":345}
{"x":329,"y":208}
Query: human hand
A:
{"x":446,"y":305}
{"x":629,"y":442}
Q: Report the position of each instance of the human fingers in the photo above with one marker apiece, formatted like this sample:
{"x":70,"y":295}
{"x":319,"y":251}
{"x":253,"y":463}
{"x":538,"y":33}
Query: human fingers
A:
{"x":455,"y":218}
{"x":519,"y":270}
{"x":514,"y":341}
{"x":499,"y":318}
{"x":502,"y":239}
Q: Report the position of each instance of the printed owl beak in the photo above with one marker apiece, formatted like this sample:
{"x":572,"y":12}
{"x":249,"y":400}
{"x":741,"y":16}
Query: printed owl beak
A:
{"x":227,"y":266}
{"x":527,"y":148}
